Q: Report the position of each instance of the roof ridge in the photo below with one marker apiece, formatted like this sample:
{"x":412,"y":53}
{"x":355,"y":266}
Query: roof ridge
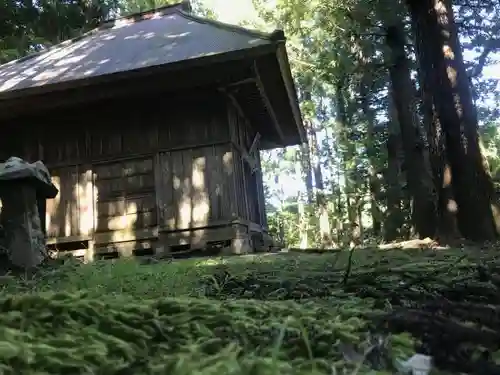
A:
{"x":275,"y":36}
{"x":184,"y":5}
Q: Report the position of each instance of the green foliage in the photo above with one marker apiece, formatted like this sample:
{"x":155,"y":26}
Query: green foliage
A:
{"x":490,"y":137}
{"x":337,"y":51}
{"x":28,"y":26}
{"x":134,"y":6}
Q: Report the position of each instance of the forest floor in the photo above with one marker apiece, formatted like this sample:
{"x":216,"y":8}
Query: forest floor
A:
{"x":261,"y":314}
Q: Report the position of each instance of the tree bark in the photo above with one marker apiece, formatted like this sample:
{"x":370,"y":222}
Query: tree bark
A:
{"x":434,"y":26}
{"x":447,"y":230}
{"x":303,"y":225}
{"x":336,"y":191}
{"x":418,"y":170}
{"x":315,"y":165}
{"x":373,"y":182}
{"x":321,"y":202}
{"x":394,"y":218}
{"x":341,"y":118}
{"x":305,"y":161}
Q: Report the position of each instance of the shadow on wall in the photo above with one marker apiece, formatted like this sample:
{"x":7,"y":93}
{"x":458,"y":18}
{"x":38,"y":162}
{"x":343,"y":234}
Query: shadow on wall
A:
{"x":118,"y":200}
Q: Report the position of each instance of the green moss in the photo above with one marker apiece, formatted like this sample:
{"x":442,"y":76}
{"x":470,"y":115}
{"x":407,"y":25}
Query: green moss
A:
{"x":287,"y":314}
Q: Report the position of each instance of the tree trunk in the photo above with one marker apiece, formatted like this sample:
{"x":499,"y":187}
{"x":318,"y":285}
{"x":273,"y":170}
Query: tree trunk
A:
{"x":341,"y":118}
{"x":305,"y":150}
{"x":305,"y":161}
{"x":335,"y":185}
{"x":434,"y":25}
{"x":303,"y":217}
{"x":418,"y":170}
{"x":321,"y":202}
{"x":303,"y":224}
{"x":361,"y":227}
{"x":315,"y":162}
{"x":373,"y":181}
{"x":447,"y":230}
{"x":315,"y":165}
{"x":394,"y":219}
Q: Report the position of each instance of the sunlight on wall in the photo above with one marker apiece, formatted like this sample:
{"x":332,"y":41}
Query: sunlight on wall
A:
{"x":185,"y":205}
{"x":86,"y":198}
{"x":201,"y":204}
{"x":227,"y":161}
{"x":67,"y":219}
{"x":84,"y":194}
{"x":124,"y":225}
{"x":194,"y":206}
{"x":53,"y":205}
{"x":126,"y":220}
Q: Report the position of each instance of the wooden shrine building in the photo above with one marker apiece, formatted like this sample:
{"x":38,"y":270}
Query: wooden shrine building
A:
{"x":150,"y":126}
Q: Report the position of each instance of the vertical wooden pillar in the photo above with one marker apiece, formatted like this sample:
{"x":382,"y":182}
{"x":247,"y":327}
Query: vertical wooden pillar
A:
{"x":89,"y":252}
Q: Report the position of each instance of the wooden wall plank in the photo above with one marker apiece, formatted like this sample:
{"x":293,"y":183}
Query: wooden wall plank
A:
{"x":230,"y":189}
{"x":206,"y":124}
{"x":196,"y":187}
{"x":86,"y":200}
{"x":63,"y":212}
{"x":106,"y":131}
{"x":132,"y":170}
{"x":61,"y":144}
{"x":201,"y":176}
{"x":215,"y":183}
{"x":249,"y":185}
{"x":178,"y":187}
{"x":164,"y":190}
{"x":125,"y":195}
{"x":140,"y":135}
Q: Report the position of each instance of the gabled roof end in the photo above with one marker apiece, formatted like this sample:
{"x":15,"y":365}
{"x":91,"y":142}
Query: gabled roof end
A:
{"x":277,"y":36}
{"x":185,"y":6}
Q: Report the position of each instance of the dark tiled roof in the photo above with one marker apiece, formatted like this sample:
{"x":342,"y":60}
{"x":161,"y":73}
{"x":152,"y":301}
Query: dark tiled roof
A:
{"x":164,"y":36}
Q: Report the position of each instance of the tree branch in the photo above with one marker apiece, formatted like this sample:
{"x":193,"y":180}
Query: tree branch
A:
{"x":491,"y":46}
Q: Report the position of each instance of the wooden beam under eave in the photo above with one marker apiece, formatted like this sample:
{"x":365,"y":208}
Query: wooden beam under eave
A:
{"x":267,"y":102}
{"x":239,"y":83}
{"x":236,"y":105}
{"x":286,"y":74}
{"x":161,"y":82}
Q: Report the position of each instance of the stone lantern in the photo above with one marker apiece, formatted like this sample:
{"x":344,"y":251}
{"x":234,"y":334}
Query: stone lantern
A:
{"x":24,"y":188}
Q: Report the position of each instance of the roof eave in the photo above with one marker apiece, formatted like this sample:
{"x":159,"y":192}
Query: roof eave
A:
{"x":274,"y":36}
{"x":143,"y":72}
{"x":286,"y":73}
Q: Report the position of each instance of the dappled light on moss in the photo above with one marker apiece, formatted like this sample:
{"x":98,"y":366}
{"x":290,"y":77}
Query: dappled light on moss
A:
{"x":291,"y":313}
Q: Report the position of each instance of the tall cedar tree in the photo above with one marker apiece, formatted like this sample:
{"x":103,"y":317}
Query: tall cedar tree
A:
{"x":435,"y":30}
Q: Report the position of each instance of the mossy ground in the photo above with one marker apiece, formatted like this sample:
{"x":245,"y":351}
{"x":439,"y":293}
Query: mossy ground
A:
{"x":267,"y":314}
